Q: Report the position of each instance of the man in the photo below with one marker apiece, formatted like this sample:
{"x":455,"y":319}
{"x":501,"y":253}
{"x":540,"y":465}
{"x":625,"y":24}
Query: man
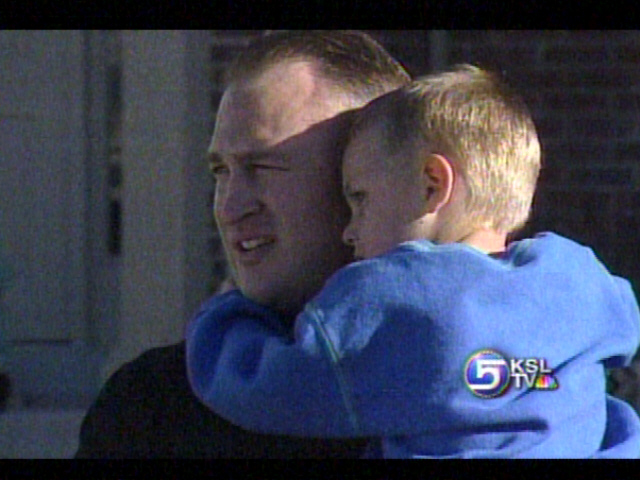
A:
{"x":275,"y":154}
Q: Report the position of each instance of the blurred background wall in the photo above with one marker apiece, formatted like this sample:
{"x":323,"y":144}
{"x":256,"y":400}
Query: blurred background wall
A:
{"x":107,"y":245}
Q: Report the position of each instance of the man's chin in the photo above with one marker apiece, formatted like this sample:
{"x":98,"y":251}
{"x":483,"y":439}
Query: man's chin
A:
{"x":281,"y":301}
{"x":257,"y":294}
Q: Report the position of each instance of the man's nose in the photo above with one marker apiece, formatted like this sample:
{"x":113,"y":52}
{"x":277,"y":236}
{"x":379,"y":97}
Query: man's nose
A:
{"x":235,"y":198}
{"x":349,"y":235}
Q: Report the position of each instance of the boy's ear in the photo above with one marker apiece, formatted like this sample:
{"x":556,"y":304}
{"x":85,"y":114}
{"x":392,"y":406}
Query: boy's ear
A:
{"x":438,"y":178}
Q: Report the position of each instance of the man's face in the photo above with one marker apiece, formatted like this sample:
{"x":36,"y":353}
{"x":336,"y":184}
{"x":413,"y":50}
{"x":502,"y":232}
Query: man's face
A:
{"x":385,"y":195}
{"x":278,"y":204}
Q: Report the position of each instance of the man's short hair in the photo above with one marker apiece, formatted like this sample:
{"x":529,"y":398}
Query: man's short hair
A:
{"x":471,"y":117}
{"x":351,"y":60}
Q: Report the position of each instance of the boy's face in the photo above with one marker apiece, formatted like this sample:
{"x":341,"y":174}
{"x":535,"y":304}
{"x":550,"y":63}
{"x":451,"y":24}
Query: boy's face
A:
{"x":385,"y":193}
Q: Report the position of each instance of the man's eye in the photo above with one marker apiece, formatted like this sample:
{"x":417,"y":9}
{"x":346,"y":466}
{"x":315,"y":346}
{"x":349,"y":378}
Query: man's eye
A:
{"x":266,"y":166}
{"x":218,"y":170}
{"x":356,"y":197}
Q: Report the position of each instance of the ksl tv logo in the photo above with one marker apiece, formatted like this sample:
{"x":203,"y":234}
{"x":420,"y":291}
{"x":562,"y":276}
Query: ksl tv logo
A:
{"x":488,"y":374}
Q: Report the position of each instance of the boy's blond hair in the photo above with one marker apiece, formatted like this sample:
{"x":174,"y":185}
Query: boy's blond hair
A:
{"x":484,"y":129}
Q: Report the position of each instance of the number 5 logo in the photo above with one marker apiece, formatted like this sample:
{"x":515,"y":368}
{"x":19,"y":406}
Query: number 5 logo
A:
{"x":490,"y":367}
{"x":486,"y":374}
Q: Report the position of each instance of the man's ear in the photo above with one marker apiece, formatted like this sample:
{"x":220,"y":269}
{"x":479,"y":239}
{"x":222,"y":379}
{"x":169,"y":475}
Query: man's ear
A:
{"x":438,"y":176}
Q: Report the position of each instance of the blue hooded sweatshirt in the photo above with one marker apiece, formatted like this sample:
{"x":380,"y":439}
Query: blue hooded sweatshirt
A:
{"x":387,"y":349}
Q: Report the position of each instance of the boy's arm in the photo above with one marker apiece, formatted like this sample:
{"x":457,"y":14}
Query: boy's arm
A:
{"x":360,"y":363}
{"x":242,"y":365}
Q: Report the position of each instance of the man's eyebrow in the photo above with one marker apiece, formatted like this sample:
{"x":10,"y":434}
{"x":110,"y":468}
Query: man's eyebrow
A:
{"x":261,"y":155}
{"x":215,"y":158}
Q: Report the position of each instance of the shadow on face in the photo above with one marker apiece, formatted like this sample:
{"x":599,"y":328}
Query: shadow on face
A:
{"x":280,"y":212}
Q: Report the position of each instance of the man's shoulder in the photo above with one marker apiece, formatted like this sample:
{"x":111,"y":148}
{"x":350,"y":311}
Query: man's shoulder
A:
{"x":146,"y":409}
{"x":164,"y":366}
{"x":164,"y":361}
{"x":128,"y":416}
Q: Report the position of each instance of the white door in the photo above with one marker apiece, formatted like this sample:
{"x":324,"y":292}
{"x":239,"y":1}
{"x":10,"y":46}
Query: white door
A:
{"x":44,"y":208}
{"x":42,"y":182}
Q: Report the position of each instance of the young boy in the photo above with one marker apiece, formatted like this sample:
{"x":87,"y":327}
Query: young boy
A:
{"x":419,"y":343}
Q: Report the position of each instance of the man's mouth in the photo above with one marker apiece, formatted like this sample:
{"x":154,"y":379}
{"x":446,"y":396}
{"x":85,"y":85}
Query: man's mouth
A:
{"x":253,"y":243}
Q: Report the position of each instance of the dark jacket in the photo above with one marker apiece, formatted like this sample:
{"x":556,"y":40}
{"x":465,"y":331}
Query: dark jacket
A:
{"x":146,"y":410}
